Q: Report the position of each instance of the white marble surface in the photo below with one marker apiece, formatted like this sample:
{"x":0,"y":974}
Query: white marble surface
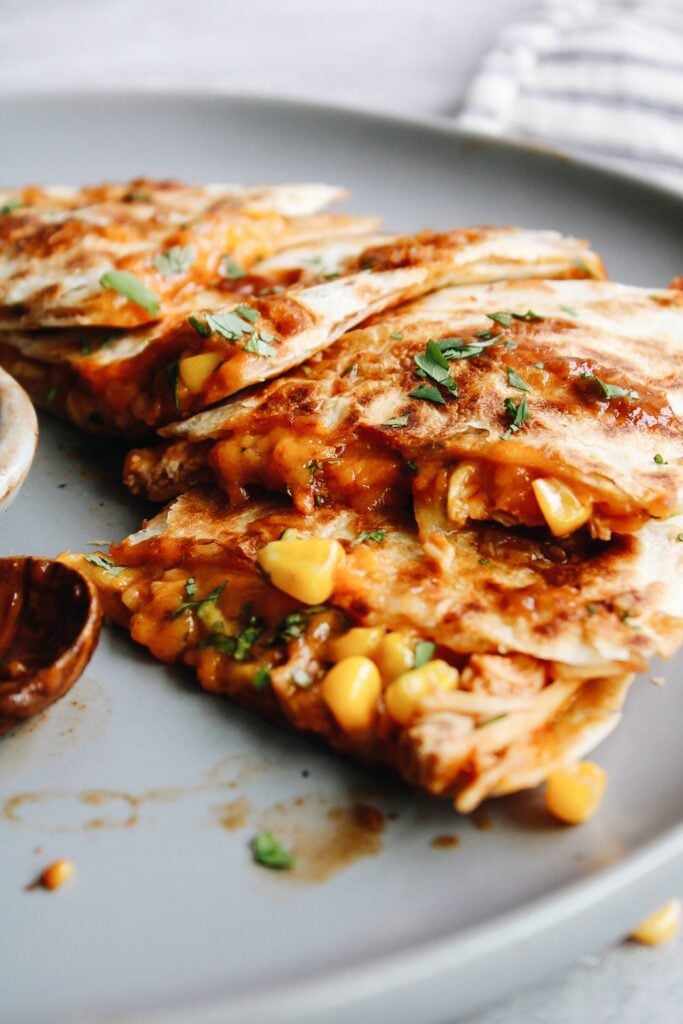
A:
{"x":402,"y":56}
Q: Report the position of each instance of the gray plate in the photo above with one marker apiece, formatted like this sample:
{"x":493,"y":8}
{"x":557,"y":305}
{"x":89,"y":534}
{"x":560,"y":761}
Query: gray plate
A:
{"x":154,"y":789}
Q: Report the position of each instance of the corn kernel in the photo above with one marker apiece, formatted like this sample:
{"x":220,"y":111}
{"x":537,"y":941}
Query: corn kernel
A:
{"x":394,"y":655}
{"x":661,"y":926}
{"x":56,"y":874}
{"x":360,"y":640}
{"x":351,"y":690}
{"x":562,"y":510}
{"x":194,"y":371}
{"x":304,"y":567}
{"x":573,"y":794}
{"x":404,"y":696}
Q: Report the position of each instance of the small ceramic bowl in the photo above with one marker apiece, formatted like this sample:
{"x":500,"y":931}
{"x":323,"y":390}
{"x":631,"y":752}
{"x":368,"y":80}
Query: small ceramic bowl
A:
{"x":18,"y":438}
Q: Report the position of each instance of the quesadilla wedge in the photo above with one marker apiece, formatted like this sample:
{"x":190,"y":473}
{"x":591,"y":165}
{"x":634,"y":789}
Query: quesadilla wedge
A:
{"x":148,"y":377}
{"x":533,"y":403}
{"x":125,"y":255}
{"x":339,"y":625}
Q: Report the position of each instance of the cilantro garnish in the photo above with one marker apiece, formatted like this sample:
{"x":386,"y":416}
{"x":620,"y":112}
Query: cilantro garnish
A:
{"x":659,"y":459}
{"x":434,"y":363}
{"x":202,"y":330}
{"x":190,"y":587}
{"x":292,"y":626}
{"x":376,"y":535}
{"x":238,"y":645}
{"x":529,"y":317}
{"x":424,"y":651}
{"x":236,"y":324}
{"x":519,"y":415}
{"x":261,"y":680}
{"x":515,"y":381}
{"x":411,"y":466}
{"x":132,"y":288}
{"x":171,"y":372}
{"x":195,"y":605}
{"x":428,"y":393}
{"x":232,"y":269}
{"x":397,"y":421}
{"x":396,"y":336}
{"x":175,"y":260}
{"x":51,"y":395}
{"x":102,"y":562}
{"x":267,"y":851}
{"x":502,"y":318}
{"x":11,"y":204}
{"x":458,"y":348}
{"x":570,"y":310}
{"x":610,"y":390}
{"x":259,"y":344}
{"x":348,"y":370}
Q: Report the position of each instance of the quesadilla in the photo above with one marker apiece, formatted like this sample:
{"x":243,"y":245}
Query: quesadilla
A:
{"x":527,"y":403}
{"x":125,"y":255}
{"x":472,"y":680}
{"x":141,"y":379}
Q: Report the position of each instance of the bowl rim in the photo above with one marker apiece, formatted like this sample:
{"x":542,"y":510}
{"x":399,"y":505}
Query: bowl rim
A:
{"x":18,"y":437}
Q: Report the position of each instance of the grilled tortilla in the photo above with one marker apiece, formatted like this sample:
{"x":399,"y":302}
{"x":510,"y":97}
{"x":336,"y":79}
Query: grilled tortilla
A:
{"x":125,"y":255}
{"x":498,"y":709}
{"x":141,"y":379}
{"x":548,"y":402}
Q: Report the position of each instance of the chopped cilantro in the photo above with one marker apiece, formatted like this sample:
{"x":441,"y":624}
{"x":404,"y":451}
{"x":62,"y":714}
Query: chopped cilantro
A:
{"x":424,"y":652}
{"x":51,"y":395}
{"x":570,"y":310}
{"x":376,"y":535}
{"x":102,"y":562}
{"x":515,"y":381}
{"x":132,"y":288}
{"x":261,"y":678}
{"x":428,"y":393}
{"x":11,"y":204}
{"x":396,"y":336}
{"x":175,"y":260}
{"x":529,"y":317}
{"x":411,"y":466}
{"x":171,"y":372}
{"x":248,"y":313}
{"x":292,"y":626}
{"x":610,"y":390}
{"x":484,"y":561}
{"x":659,"y":459}
{"x":231,"y":269}
{"x":190,"y":587}
{"x":348,"y":370}
{"x":458,"y":348}
{"x":196,"y":604}
{"x":502,"y":318}
{"x":539,"y":366}
{"x":202,"y":329}
{"x":519,"y":415}
{"x":592,"y":608}
{"x":259,"y":344}
{"x":397,"y":421}
{"x":434,"y":364}
{"x":268,"y":851}
{"x":231,"y":325}
{"x":238,"y":645}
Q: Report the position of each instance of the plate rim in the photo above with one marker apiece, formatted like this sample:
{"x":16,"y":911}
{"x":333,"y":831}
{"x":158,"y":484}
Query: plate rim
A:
{"x":429,"y":958}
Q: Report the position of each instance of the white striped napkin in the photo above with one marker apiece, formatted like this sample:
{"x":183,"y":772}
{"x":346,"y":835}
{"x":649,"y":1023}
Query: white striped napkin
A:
{"x":600,"y":78}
